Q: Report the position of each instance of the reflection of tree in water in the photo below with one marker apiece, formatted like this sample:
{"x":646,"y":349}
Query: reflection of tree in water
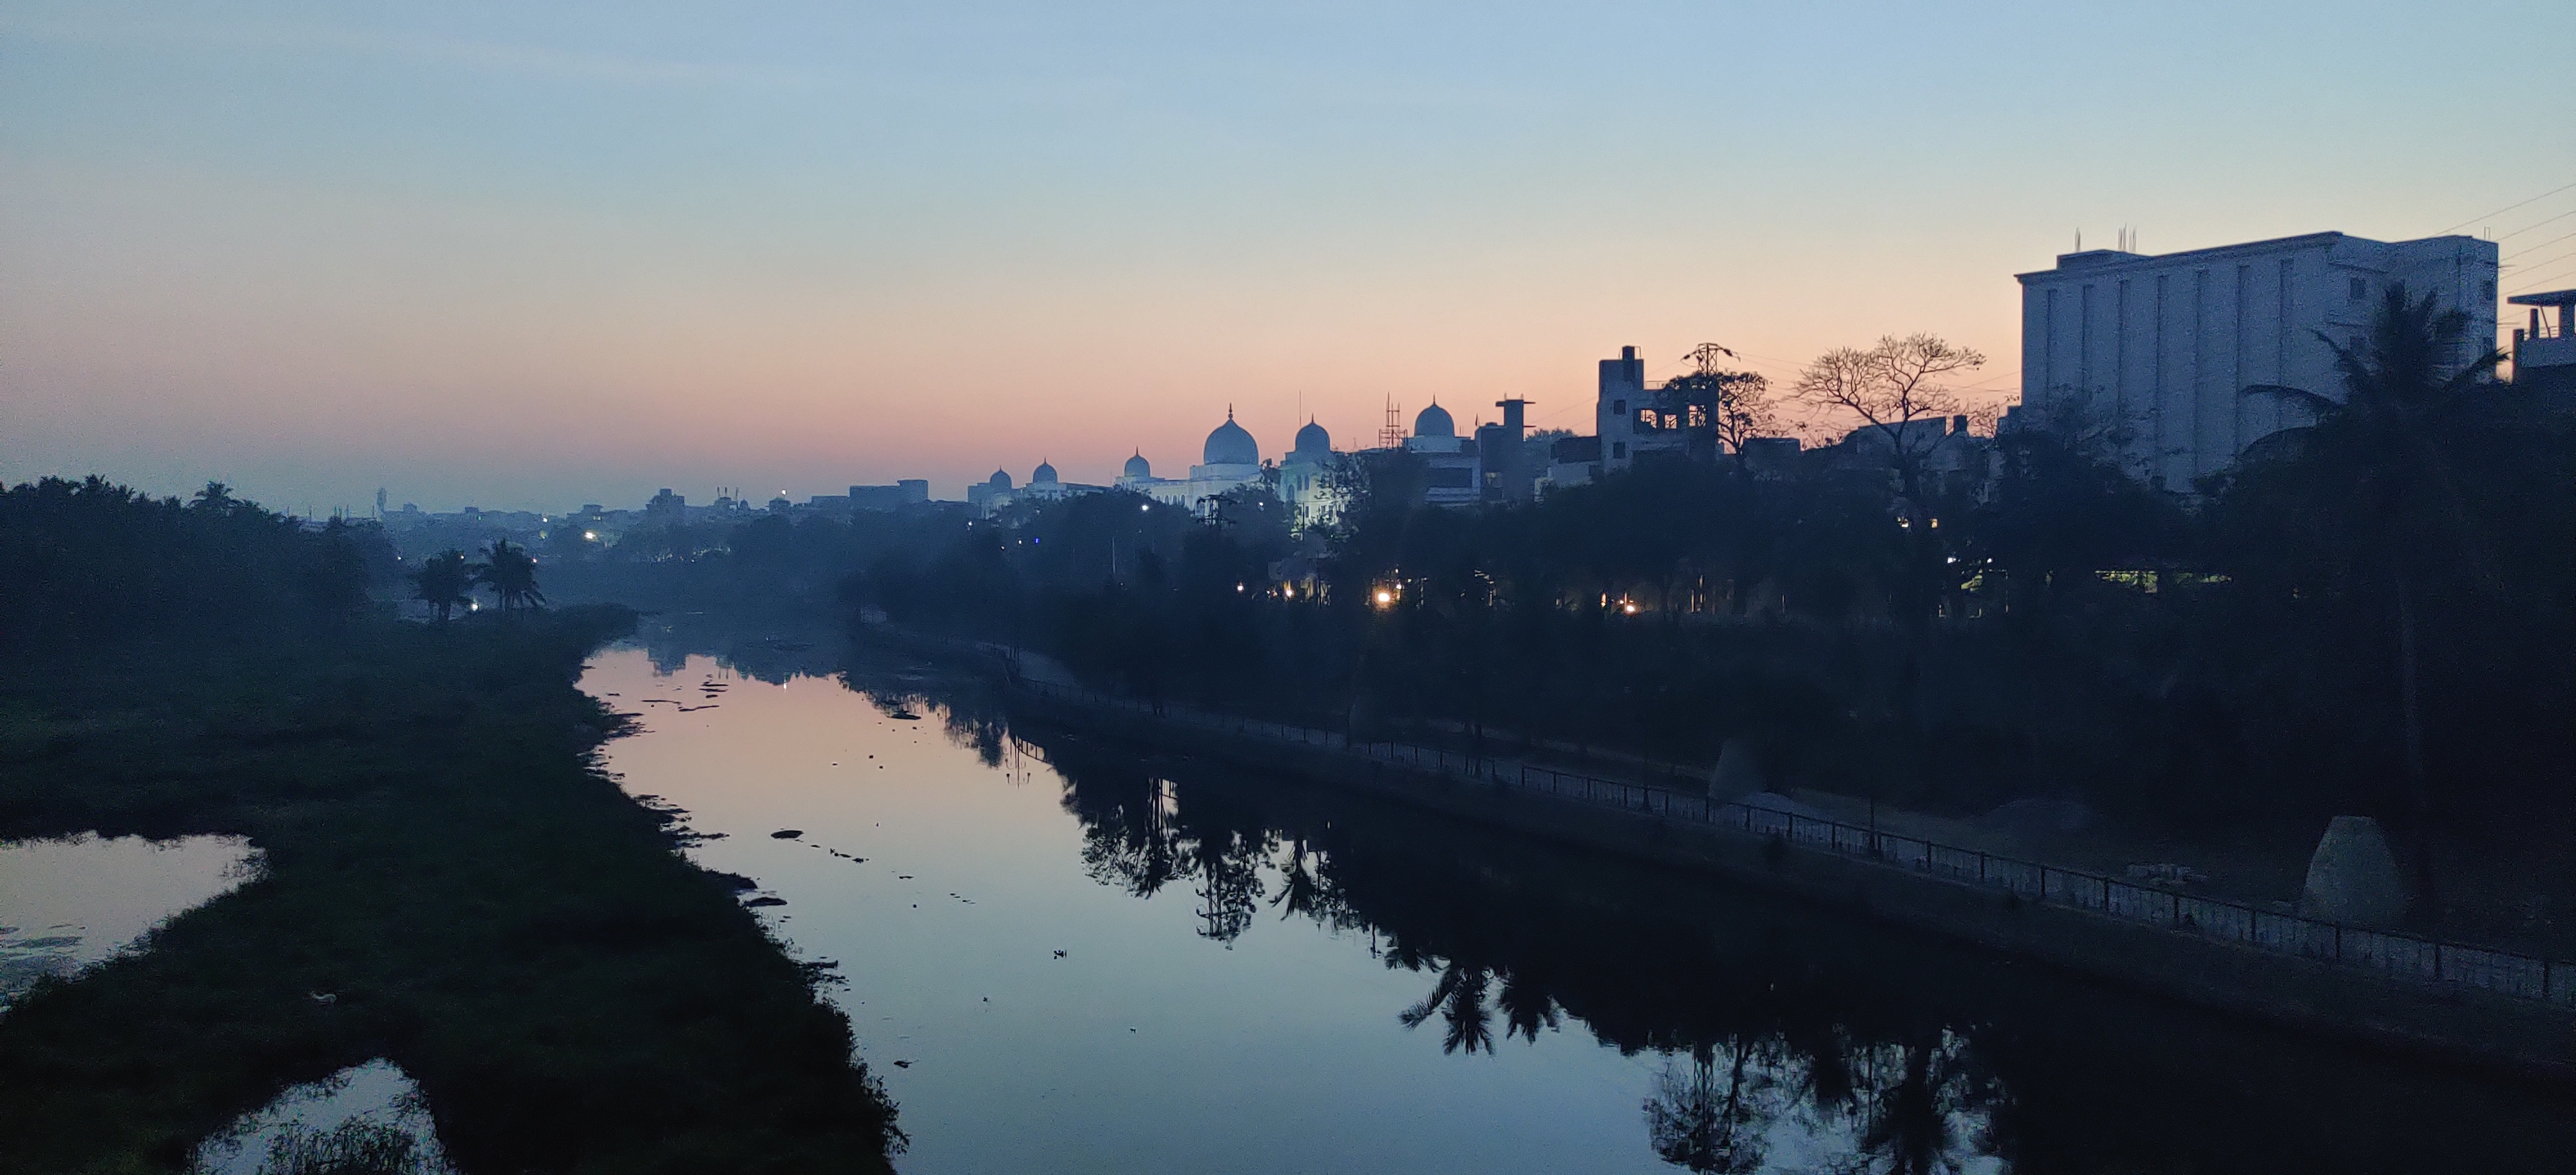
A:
{"x":1459,"y":998}
{"x":1871,"y":1050}
{"x":1227,"y":862}
{"x":1128,"y":838}
{"x":1913,"y":1102}
{"x":1715,"y":1116}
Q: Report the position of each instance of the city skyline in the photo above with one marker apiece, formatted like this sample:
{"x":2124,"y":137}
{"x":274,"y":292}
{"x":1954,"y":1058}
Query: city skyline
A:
{"x":525,"y":261}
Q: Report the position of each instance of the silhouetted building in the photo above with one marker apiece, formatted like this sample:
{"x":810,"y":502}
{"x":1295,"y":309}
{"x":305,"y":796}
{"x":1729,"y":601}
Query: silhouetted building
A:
{"x":2544,"y":350}
{"x":2161,"y":348}
{"x":907,"y":492}
{"x":1503,"y":465}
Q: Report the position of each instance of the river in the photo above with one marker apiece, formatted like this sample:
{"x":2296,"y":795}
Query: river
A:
{"x":1067,"y":955}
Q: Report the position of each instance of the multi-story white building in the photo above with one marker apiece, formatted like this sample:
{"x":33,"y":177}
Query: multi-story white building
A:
{"x":1624,"y":416}
{"x":2164,"y":346}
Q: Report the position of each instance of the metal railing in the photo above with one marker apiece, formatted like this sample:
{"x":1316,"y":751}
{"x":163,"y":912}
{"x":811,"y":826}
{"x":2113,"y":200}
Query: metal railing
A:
{"x":2398,"y":956}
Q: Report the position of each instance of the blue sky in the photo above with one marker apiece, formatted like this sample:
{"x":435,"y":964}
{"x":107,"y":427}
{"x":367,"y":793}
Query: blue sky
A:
{"x":536,"y":255}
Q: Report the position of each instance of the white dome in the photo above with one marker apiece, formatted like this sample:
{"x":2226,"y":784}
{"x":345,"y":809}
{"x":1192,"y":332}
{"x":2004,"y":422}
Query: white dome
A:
{"x":1044,"y":475}
{"x":1434,"y":422}
{"x":1139,"y":468}
{"x":1313,"y":441}
{"x":1231,"y":445}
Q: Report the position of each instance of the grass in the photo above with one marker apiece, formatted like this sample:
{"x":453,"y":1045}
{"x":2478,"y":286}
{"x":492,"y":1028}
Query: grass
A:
{"x":479,"y":903}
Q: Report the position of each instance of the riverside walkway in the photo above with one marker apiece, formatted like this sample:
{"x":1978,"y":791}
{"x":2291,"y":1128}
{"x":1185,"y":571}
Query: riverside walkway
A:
{"x":2395,"y":956}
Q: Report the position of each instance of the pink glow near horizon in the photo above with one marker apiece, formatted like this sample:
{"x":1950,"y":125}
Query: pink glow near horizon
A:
{"x":523,"y":263}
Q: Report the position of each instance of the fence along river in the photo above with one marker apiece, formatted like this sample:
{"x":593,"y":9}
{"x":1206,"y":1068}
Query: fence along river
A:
{"x":2401,"y":957}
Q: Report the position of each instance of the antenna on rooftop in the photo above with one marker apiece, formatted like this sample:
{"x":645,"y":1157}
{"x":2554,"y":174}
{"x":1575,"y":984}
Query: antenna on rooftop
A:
{"x":1391,"y":436}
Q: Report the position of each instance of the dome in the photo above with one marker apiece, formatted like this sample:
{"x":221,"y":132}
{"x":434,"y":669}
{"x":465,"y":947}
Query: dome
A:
{"x":1313,"y":441}
{"x":1138,"y":467}
{"x":1043,"y":475}
{"x":1001,"y":480}
{"x":1434,"y":422}
{"x":1230,"y":445}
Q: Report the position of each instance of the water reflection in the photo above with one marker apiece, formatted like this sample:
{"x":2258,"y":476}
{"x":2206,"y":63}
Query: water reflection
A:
{"x":1786,"y":1029}
{"x":1760,"y":1034}
{"x":70,"y":902}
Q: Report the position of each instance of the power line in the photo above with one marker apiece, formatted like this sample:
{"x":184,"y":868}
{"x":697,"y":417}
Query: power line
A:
{"x":2542,"y":263}
{"x":2536,"y":283}
{"x":2525,"y":250}
{"x":2507,"y":208}
{"x":2536,"y":224}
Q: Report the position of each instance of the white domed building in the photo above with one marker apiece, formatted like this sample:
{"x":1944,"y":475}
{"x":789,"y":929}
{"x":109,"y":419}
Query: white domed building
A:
{"x":1229,"y":460}
{"x":1450,"y":470}
{"x":1302,"y":478}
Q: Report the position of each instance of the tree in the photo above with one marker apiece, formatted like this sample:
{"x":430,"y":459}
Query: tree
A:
{"x":1891,"y":387}
{"x":511,"y":573}
{"x":1719,"y":409}
{"x":443,"y":581}
{"x":2379,"y":469}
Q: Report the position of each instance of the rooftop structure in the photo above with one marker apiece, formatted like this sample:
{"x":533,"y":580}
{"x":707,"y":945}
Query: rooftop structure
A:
{"x":2544,"y":351}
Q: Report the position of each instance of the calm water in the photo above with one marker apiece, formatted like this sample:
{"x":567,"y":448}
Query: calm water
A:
{"x":71,"y":902}
{"x":1066,"y":955}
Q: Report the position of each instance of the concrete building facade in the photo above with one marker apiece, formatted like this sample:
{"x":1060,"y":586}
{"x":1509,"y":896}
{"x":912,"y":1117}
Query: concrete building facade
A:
{"x":2163,"y":346}
{"x":1624,"y":416}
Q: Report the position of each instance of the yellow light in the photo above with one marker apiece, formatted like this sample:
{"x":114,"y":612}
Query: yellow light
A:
{"x":1385,"y":597}
{"x":1628,"y":606}
{"x":590,"y":536}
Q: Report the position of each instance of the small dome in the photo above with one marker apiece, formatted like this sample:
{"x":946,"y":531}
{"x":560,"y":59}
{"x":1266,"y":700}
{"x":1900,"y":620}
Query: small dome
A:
{"x":1231,"y":445}
{"x":1043,"y":475}
{"x":1001,"y":480}
{"x":1313,"y":441}
{"x":1138,"y":467}
{"x":1434,"y":422}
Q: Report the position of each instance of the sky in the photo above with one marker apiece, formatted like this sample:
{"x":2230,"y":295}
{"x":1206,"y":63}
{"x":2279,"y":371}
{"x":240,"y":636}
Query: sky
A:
{"x":529,"y":256}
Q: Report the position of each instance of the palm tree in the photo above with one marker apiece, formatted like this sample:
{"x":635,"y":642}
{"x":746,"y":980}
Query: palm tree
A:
{"x":511,"y":573}
{"x":443,"y":581}
{"x":1459,"y":1000}
{"x":2378,"y":468}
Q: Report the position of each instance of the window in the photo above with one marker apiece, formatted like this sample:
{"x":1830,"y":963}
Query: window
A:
{"x":1619,"y":450}
{"x":2360,"y":289}
{"x":1647,"y":421}
{"x":2486,"y":289}
{"x":1618,"y":407}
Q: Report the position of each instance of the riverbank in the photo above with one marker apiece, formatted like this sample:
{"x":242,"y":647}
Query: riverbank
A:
{"x":450,"y":884}
{"x":2449,"y":1020}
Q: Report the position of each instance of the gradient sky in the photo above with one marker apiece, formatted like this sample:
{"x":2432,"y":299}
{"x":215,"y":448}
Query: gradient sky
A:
{"x":526,"y":256}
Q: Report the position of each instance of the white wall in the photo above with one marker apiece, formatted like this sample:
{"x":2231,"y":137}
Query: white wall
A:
{"x":2167,"y":343}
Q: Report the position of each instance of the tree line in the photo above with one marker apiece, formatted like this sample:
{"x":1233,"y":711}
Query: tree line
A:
{"x":2372,"y":614}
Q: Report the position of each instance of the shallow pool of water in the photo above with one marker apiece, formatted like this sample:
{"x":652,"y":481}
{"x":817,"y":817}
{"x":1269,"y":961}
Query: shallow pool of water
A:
{"x":68,"y":903}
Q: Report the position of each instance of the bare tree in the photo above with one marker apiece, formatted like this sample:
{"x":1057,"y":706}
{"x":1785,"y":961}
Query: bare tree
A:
{"x":1891,"y":387}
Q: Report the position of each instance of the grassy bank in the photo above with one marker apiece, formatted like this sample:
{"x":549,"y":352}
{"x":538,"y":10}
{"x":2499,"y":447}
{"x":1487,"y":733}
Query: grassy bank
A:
{"x":478,"y":903}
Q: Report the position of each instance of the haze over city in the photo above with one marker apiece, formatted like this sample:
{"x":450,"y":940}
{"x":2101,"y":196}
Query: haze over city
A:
{"x":528,"y":258}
